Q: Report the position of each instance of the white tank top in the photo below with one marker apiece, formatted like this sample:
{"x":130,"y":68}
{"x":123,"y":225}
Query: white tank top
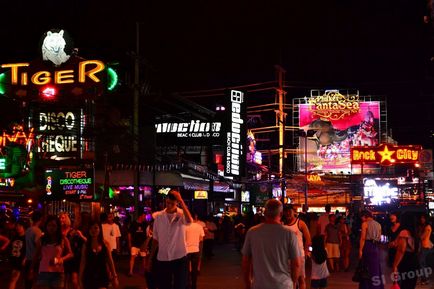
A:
{"x":319,"y":271}
{"x":295,"y":228}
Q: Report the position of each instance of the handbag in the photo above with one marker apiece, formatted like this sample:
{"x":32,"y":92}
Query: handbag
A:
{"x":361,"y":273}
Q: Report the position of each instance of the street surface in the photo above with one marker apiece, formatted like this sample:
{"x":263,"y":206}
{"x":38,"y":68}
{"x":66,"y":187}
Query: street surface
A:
{"x":223,"y":271}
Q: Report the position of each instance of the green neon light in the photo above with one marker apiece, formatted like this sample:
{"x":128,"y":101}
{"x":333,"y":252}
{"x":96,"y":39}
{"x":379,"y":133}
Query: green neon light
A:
{"x":2,"y":85}
{"x":111,"y":193}
{"x":2,"y":164}
{"x":112,"y":78}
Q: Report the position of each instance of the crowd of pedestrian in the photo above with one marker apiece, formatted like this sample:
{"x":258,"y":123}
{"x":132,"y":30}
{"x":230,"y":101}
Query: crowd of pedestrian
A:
{"x":55,"y":252}
{"x":52,"y":251}
{"x":323,"y":246}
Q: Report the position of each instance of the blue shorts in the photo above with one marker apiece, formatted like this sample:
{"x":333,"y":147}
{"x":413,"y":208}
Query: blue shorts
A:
{"x":51,"y":279}
{"x":318,"y":283}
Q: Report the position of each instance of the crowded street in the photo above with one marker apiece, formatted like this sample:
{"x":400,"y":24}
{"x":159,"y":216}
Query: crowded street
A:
{"x":217,"y":144}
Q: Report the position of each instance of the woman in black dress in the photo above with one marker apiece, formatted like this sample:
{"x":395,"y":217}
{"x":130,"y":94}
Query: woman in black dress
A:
{"x":96,"y":261}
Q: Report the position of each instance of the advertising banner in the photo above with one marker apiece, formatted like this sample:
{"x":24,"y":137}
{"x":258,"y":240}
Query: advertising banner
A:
{"x":70,"y":183}
{"x":236,"y":134}
{"x":385,"y":154}
{"x":337,"y":122}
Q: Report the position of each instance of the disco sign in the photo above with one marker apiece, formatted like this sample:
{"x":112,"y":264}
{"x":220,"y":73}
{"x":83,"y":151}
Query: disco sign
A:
{"x":58,"y":132}
{"x":70,"y":183}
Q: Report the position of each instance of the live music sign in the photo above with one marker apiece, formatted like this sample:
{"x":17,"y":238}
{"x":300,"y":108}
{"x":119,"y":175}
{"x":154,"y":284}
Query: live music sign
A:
{"x":385,"y":154}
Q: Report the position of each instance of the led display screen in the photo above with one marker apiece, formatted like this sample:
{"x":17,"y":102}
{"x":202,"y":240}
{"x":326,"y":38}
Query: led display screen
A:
{"x":379,"y":192}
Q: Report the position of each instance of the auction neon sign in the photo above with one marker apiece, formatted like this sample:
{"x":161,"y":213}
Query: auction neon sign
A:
{"x":86,"y":70}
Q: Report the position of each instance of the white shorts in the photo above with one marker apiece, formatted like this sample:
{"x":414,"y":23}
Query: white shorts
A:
{"x":333,"y":250}
{"x":136,"y":251}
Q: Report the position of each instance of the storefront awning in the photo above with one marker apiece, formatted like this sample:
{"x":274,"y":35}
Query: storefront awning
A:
{"x":123,"y":177}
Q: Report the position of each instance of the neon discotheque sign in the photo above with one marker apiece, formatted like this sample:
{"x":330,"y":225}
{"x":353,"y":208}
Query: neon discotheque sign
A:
{"x":59,"y":132}
{"x":70,"y":183}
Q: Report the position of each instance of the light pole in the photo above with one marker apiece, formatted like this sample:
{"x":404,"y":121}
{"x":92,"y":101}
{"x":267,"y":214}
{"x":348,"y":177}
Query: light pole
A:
{"x":306,"y":184}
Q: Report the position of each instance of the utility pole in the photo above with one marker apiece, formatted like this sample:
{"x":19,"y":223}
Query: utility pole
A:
{"x":136,"y":109}
{"x":281,"y":119}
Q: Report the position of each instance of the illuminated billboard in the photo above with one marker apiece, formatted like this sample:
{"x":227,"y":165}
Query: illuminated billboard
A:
{"x":236,"y":134}
{"x":60,"y":74}
{"x":337,"y":122}
{"x":385,"y":154}
{"x":193,"y":132}
{"x":201,"y":195}
{"x":58,"y":132}
{"x":379,"y":192}
{"x":70,"y":183}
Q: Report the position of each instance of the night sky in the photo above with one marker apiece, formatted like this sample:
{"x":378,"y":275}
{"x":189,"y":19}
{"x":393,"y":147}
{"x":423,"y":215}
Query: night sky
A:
{"x":379,"y":47}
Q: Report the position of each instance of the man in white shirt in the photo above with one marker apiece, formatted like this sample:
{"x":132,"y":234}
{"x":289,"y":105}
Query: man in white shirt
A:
{"x":271,"y":255}
{"x":169,"y":237}
{"x":194,"y":237}
{"x":111,"y":233}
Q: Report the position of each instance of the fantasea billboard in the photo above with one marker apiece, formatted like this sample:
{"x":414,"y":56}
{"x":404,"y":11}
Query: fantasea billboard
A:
{"x":337,"y":123}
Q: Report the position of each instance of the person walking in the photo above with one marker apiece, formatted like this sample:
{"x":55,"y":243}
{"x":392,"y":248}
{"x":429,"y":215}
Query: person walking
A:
{"x":392,"y":235}
{"x":52,"y":250}
{"x":18,"y":253}
{"x":320,"y":272}
{"x":32,"y":235}
{"x":333,"y":239}
{"x":169,"y":238}
{"x":426,"y":245}
{"x":76,"y":241}
{"x":208,"y":243}
{"x":136,"y":241}
{"x":323,"y":220}
{"x":150,"y":272}
{"x":194,"y":235}
{"x":345,"y":247}
{"x":111,"y":233}
{"x":302,"y":233}
{"x":405,"y":264}
{"x":96,"y":261}
{"x":369,"y":251}
{"x":268,"y":249}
